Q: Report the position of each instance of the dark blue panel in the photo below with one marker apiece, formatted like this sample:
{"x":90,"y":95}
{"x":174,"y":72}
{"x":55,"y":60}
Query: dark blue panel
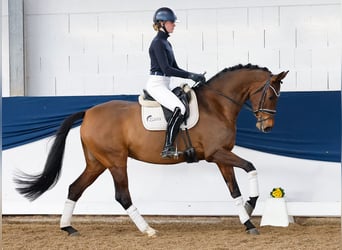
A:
{"x":27,"y":119}
{"x":308,"y":124}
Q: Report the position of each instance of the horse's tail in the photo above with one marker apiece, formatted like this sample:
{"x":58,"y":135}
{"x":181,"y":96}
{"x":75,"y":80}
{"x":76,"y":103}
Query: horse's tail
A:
{"x":33,"y":186}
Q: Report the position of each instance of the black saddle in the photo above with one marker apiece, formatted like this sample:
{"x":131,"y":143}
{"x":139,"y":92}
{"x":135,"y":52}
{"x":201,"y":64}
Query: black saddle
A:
{"x":183,"y":96}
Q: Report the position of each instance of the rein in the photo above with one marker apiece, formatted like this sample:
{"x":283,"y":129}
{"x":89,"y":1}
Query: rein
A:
{"x":263,"y":88}
{"x":245,"y":105}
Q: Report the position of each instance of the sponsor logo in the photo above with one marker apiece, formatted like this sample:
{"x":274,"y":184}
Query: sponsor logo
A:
{"x":150,"y":118}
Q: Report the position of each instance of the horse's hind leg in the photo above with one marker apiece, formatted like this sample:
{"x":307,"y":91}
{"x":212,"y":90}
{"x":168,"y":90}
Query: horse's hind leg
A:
{"x":123,"y":196}
{"x":76,"y":189}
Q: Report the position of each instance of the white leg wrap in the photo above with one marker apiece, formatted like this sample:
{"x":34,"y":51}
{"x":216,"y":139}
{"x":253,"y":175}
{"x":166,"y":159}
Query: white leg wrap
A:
{"x":67,"y":213}
{"x":253,"y":184}
{"x":243,"y":216}
{"x":138,"y":220}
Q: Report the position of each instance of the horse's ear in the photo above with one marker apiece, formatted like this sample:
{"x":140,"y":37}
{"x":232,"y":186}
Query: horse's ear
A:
{"x":279,"y":77}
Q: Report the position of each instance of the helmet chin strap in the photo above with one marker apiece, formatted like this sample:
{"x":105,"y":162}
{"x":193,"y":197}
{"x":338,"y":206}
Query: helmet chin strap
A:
{"x":164,"y":29}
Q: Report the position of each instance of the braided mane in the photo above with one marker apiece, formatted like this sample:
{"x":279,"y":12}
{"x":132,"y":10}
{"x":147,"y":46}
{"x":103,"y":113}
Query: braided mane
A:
{"x":238,"y":67}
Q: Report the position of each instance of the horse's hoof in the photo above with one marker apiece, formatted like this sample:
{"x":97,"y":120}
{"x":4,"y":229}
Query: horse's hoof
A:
{"x":71,"y":231}
{"x":249,"y":209}
{"x":151,"y":232}
{"x":252,"y":231}
{"x":75,"y":234}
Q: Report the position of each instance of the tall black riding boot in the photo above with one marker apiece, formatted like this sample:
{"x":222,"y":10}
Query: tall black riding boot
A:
{"x":172,"y":130}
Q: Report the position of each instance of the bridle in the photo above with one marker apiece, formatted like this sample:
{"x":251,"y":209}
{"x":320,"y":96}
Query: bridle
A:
{"x":264,"y":89}
{"x":261,"y":108}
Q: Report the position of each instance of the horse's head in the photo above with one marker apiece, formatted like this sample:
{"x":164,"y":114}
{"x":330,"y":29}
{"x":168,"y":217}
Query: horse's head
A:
{"x":264,"y":99}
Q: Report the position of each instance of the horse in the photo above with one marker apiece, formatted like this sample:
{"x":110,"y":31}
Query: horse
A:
{"x":113,"y":131}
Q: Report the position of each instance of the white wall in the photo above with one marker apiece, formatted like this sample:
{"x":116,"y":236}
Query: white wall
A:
{"x":101,"y":47}
{"x":4,"y":49}
{"x":313,"y":188}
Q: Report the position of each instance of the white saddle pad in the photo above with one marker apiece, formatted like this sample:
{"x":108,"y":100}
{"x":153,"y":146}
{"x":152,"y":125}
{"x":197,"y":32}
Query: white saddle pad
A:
{"x":153,"y":117}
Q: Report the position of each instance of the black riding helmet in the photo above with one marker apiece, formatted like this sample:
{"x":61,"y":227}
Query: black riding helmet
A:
{"x":164,"y":14}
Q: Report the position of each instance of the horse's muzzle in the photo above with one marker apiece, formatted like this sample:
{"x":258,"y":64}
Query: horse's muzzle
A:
{"x":265,"y":124}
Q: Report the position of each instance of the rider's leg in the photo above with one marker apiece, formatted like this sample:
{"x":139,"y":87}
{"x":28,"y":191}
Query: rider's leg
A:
{"x":172,"y":130}
{"x":158,"y":88}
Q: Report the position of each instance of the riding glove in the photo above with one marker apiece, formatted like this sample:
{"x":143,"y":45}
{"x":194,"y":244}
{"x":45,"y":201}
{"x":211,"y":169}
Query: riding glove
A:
{"x":197,"y":77}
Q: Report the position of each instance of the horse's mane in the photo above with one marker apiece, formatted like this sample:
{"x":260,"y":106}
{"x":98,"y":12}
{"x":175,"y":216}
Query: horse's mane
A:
{"x":238,"y":67}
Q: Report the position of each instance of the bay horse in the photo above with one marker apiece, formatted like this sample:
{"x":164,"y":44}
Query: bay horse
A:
{"x":113,"y":131}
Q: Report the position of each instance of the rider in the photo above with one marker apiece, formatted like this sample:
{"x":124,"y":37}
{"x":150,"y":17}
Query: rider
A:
{"x":163,"y":66}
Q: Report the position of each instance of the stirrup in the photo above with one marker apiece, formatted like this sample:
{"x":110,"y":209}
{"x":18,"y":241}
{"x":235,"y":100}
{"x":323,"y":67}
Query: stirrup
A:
{"x":170,"y":152}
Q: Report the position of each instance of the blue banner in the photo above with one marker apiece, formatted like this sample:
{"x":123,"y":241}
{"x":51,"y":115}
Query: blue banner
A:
{"x":307,"y":124}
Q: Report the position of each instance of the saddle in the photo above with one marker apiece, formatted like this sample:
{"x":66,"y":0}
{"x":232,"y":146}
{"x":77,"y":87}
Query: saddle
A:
{"x":155,"y":116}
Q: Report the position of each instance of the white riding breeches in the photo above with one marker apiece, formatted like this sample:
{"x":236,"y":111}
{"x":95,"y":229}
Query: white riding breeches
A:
{"x":159,"y":88}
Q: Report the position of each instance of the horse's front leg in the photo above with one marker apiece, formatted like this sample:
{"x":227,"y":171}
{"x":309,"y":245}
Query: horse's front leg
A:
{"x":225,"y":161}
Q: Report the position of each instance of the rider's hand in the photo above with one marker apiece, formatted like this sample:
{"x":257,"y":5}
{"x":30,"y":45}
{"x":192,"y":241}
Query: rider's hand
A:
{"x":197,"y":77}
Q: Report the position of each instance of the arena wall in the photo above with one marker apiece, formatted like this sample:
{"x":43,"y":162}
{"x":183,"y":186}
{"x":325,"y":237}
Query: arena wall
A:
{"x":312,"y":187}
{"x":101,"y":47}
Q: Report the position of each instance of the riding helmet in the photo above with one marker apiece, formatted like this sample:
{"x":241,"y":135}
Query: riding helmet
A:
{"x":164,"y":14}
